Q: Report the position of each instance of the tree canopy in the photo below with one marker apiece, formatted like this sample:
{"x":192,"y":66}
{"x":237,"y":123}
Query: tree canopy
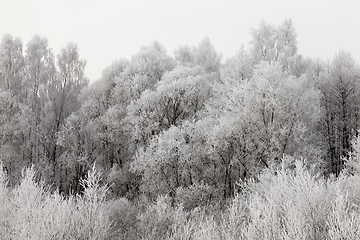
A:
{"x":158,"y":124}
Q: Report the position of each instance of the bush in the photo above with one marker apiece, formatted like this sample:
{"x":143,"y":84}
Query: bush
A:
{"x":27,"y":206}
{"x":123,"y":216}
{"x":284,"y":204}
{"x":91,"y":218}
{"x":157,"y":220}
{"x":344,"y":219}
{"x":236,"y":218}
{"x":123,"y":183}
{"x":33,"y":212}
{"x":197,"y":195}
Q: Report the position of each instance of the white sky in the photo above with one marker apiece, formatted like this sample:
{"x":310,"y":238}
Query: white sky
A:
{"x":108,"y":30}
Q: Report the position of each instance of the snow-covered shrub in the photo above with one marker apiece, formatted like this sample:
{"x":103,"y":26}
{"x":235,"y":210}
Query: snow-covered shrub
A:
{"x":91,"y":218}
{"x":33,"y":212}
{"x":343,"y":218}
{"x":123,"y":216}
{"x":287,"y":204}
{"x":157,"y":220}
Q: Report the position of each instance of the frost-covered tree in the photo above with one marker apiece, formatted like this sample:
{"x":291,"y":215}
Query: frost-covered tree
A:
{"x":40,"y":66}
{"x":179,"y":96}
{"x":261,"y":120}
{"x":276,"y":104}
{"x":204,"y":55}
{"x":238,"y":68}
{"x":177,"y":162}
{"x":12,"y":92}
{"x":263,"y":43}
{"x":110,"y":90}
{"x":148,"y":66}
{"x":274,"y":43}
{"x":339,"y":85}
{"x":184,"y":56}
{"x":104,"y":107}
{"x":99,"y":123}
{"x":40,"y":71}
{"x":68,"y":84}
{"x":163,"y":163}
{"x":12,"y":65}
{"x":62,"y":101}
{"x":10,"y":139}
{"x":73,"y":138}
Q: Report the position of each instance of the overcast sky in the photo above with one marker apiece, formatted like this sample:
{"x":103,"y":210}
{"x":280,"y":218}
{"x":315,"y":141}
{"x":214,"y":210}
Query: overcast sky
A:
{"x":108,"y":30}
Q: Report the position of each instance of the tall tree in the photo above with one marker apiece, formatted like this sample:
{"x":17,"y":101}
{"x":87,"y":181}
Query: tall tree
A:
{"x":12,"y":93}
{"x":339,"y":86}
{"x":95,"y":132}
{"x":40,"y":70}
{"x":268,"y":117}
{"x":10,"y":141}
{"x":12,"y":65}
{"x":206,"y":56}
{"x":63,"y":100}
{"x":68,"y":84}
{"x":276,"y":102}
{"x":73,"y":138}
{"x":274,"y":43}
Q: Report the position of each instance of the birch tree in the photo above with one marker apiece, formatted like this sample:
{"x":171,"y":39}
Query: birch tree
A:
{"x":12,"y":65}
{"x":40,"y":70}
{"x":274,"y":43}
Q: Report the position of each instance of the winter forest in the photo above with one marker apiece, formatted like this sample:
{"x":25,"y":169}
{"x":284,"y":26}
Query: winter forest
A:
{"x":261,"y":145}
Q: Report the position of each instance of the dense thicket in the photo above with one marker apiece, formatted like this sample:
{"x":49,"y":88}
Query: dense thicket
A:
{"x":189,"y":127}
{"x":289,"y":201}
